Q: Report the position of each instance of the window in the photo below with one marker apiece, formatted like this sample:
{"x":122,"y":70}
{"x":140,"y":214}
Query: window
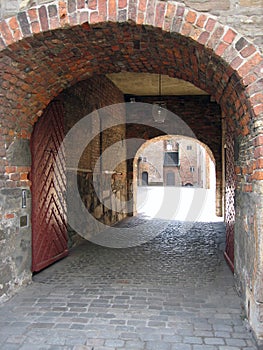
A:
{"x":169,"y":145}
{"x":171,"y":159}
{"x":189,"y":148}
{"x":192,"y":169}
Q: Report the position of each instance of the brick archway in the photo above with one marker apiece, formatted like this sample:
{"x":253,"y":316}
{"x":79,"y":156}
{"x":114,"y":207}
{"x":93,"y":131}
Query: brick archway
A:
{"x":223,"y":62}
{"x":48,"y":48}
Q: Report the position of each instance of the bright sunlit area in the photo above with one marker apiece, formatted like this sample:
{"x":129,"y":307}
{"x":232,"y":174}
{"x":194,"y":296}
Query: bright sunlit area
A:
{"x":175,"y":179}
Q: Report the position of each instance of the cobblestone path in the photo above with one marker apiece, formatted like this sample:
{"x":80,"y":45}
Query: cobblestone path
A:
{"x":173,"y":293}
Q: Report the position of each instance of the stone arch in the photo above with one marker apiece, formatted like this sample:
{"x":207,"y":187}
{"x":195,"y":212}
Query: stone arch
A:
{"x":47,"y":48}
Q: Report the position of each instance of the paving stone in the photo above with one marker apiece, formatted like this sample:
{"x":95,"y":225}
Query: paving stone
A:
{"x":192,"y":340}
{"x":204,"y":347}
{"x":11,"y":347}
{"x":132,"y":345}
{"x":214,"y":341}
{"x":170,"y":293}
{"x":181,"y":347}
{"x":236,"y":342}
{"x":114,"y":343}
{"x":158,"y":345}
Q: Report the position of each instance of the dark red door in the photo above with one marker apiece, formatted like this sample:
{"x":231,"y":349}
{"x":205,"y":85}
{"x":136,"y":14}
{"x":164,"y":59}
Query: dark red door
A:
{"x":49,"y":227}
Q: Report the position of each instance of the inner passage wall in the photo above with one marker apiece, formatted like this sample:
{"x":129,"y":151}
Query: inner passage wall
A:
{"x":85,"y":99}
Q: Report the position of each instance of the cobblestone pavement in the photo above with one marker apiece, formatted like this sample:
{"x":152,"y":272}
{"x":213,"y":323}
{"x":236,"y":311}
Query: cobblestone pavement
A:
{"x":173,"y":293}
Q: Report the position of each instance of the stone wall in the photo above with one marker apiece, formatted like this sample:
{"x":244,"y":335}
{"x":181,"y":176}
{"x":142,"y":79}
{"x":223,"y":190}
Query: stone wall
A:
{"x":248,"y":228}
{"x":243,"y":15}
{"x":15,"y":223}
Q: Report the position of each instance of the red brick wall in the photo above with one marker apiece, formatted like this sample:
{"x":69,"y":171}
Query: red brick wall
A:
{"x":80,"y":101}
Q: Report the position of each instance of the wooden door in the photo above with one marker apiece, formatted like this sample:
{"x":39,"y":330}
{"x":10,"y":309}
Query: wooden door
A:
{"x":144,"y":178}
{"x":170,"y":179}
{"x":49,"y":227}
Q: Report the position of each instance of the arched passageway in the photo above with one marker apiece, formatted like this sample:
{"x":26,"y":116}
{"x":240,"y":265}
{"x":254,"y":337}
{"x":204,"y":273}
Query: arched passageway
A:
{"x":51,"y":47}
{"x":181,"y":178}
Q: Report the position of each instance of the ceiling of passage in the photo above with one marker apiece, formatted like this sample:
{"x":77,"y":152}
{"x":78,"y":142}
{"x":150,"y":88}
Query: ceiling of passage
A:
{"x":145,"y":84}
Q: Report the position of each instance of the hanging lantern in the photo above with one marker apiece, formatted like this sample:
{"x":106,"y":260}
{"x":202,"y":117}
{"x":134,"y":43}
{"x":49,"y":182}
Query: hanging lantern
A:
{"x":159,"y":110}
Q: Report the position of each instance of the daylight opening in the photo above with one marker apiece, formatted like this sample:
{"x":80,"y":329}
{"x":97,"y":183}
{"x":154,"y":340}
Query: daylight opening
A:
{"x":174,"y":178}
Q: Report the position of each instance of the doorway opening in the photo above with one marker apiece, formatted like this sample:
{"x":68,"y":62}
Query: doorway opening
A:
{"x":181,"y":180}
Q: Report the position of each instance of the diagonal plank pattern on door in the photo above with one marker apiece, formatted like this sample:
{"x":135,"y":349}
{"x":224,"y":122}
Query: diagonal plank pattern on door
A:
{"x":49,"y":228}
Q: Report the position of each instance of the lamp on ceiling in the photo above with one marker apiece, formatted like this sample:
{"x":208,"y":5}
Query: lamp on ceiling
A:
{"x":159,"y":110}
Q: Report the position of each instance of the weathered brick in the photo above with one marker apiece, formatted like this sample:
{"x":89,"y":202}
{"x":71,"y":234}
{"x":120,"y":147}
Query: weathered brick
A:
{"x":258,"y":151}
{"x":215,"y":37}
{"x":258,"y":110}
{"x":142,"y":5}
{"x":149,"y":18}
{"x":9,"y":216}
{"x":204,"y":38}
{"x":221,"y":49}
{"x":140,"y":18}
{"x":6,"y":33}
{"x":80,"y":4}
{"x":122,"y":4}
{"x":210,"y":25}
{"x":248,"y":51}
{"x":13,"y":24}
{"x":32,"y":14}
{"x":52,"y":11}
{"x":229,"y":36}
{"x":201,"y":20}
{"x":84,"y":17}
{"x":258,"y":175}
{"x":237,"y":61}
{"x":191,"y":17}
{"x":249,"y":64}
{"x":54,"y":22}
{"x":63,"y":13}
{"x":132,"y":10}
{"x":102,"y":8}
{"x":259,"y":163}
{"x":22,"y":18}
{"x":43,"y":18}
{"x":168,"y":19}
{"x":159,"y":14}
{"x":112,"y":10}
{"x":71,"y":6}
{"x":23,"y":176}
{"x":92,"y":4}
{"x":14,"y":177}
{"x":10,"y":169}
